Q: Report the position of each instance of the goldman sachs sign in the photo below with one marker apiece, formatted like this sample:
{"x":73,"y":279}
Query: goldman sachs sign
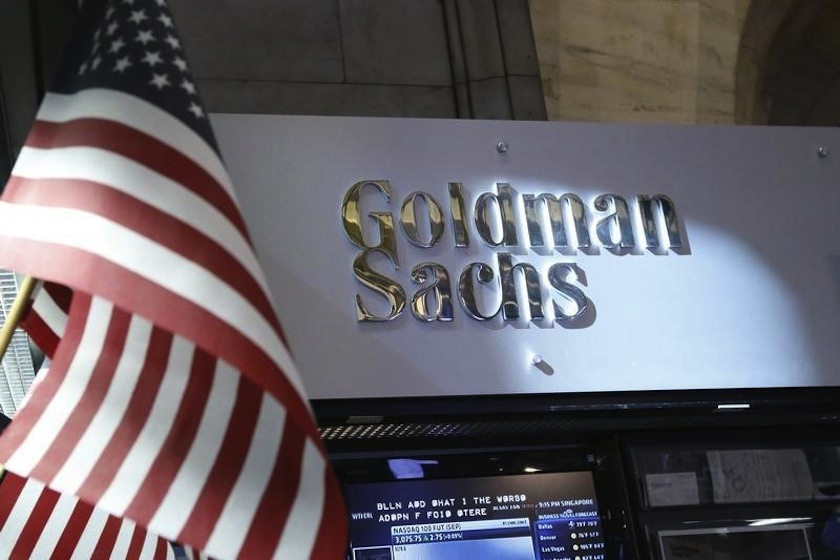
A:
{"x":411,"y":257}
{"x":564,"y":219}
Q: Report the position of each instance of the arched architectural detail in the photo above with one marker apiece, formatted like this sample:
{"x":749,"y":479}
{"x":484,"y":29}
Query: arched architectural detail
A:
{"x":788,"y":70}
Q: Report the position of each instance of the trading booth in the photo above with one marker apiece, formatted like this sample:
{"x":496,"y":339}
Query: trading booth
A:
{"x":560,"y":341}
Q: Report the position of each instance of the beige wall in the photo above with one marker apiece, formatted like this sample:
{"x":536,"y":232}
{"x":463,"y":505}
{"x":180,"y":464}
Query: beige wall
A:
{"x":664,"y":61}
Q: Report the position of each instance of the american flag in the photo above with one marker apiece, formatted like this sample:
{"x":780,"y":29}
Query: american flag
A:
{"x":36,"y":522}
{"x":46,"y":319}
{"x":172,"y":399}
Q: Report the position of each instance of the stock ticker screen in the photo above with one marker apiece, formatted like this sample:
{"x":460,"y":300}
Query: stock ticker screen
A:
{"x":539,"y":516}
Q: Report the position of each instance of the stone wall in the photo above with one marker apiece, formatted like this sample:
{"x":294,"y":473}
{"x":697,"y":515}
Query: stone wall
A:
{"x":663,"y":61}
{"x":796,"y":62}
{"x":32,"y":34}
{"x":390,"y":58}
{"x":402,"y":58}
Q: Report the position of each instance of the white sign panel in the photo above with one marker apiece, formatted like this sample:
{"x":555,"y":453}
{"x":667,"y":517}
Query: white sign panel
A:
{"x":574,"y":257}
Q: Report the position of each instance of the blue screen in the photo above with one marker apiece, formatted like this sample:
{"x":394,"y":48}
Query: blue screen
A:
{"x":539,"y":516}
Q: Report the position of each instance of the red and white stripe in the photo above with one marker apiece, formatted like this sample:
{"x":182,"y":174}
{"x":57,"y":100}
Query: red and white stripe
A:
{"x":36,"y":522}
{"x":47,"y":317}
{"x":172,"y":399}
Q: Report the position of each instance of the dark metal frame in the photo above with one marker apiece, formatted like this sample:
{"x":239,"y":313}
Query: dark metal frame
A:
{"x":5,"y":139}
{"x":373,"y":425}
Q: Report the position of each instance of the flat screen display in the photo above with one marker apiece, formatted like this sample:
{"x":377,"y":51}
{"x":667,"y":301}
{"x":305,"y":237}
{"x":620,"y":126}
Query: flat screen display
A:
{"x":539,"y":516}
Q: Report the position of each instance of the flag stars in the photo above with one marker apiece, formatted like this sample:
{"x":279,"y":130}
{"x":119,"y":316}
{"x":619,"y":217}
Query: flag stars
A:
{"x":144,"y":37}
{"x":147,"y":27}
{"x":173,"y":42}
{"x":159,"y":81}
{"x":188,"y":86}
{"x":138,"y":17}
{"x":196,"y":110}
{"x":122,"y":64}
{"x":117,"y":45}
{"x":151,"y":58}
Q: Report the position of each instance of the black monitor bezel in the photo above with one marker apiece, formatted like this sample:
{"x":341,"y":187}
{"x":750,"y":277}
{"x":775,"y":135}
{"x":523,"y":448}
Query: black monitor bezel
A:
{"x":475,"y":463}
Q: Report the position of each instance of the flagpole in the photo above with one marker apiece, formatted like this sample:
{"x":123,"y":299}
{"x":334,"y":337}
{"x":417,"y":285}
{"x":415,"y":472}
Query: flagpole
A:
{"x":16,"y":312}
{"x":12,"y":320}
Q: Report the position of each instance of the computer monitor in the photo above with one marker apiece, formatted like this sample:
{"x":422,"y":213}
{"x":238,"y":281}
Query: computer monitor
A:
{"x":539,"y":515}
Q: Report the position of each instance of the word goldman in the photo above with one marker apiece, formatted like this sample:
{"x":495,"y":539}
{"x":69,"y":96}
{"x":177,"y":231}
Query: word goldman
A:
{"x":494,"y":215}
